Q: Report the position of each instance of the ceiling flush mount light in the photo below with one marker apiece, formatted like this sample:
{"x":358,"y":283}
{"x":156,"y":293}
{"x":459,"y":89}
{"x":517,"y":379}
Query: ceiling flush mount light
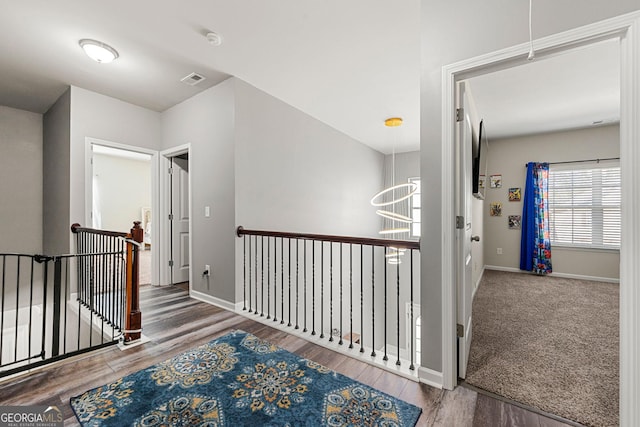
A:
{"x":98,"y":51}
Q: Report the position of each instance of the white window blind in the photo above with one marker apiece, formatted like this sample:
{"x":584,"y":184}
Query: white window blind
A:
{"x":584,"y":206}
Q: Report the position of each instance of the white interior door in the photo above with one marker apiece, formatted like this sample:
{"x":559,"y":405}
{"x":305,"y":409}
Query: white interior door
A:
{"x":179,"y":219}
{"x":464,"y":189}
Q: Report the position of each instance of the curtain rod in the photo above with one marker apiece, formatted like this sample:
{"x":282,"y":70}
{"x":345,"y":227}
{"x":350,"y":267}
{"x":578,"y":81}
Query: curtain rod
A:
{"x":581,"y":161}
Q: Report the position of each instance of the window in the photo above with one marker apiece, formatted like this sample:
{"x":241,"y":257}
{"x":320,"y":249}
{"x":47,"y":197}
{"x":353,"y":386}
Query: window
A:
{"x":584,"y":206}
{"x":415,"y":209}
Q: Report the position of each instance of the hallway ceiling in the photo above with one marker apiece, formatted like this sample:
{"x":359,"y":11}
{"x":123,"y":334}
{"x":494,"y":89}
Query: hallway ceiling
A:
{"x":349,"y":64}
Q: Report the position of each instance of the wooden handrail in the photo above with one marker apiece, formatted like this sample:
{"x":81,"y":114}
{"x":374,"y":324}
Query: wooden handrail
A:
{"x":77,"y":228}
{"x":241,"y":231}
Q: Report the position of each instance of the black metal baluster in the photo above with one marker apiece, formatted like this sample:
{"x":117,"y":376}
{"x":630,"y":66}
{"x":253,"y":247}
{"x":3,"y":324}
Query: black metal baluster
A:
{"x":321,"y":289}
{"x":30,"y":307}
{"x":4,"y":267}
{"x":15,"y":347}
{"x":289,"y":299}
{"x":103,"y":280}
{"x":341,"y":310}
{"x":313,"y":287}
{"x":244,"y":272}
{"x":275,"y":279}
{"x":398,"y":310}
{"x":282,"y":280}
{"x":385,"y":358}
{"x":330,"y":291}
{"x":373,"y":300}
{"x":411,"y":366}
{"x":250,"y":310}
{"x":45,"y":281}
{"x":305,"y":284}
{"x":297,"y":279}
{"x":66,"y":276}
{"x":350,"y":295}
{"x":361,"y":298}
{"x":262,"y":276}
{"x":268,"y":278}
{"x":256,"y":275}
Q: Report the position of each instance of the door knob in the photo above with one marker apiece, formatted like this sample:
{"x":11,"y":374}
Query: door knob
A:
{"x":475,"y":238}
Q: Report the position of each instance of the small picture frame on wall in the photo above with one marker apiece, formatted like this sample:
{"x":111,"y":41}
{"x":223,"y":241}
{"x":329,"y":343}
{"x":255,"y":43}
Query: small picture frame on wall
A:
{"x":515,"y":222}
{"x":515,"y":194}
{"x":495,"y":181}
{"x":495,"y":209}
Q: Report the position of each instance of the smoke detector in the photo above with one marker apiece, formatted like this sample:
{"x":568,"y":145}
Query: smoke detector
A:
{"x":214,"y":38}
{"x":193,"y":79}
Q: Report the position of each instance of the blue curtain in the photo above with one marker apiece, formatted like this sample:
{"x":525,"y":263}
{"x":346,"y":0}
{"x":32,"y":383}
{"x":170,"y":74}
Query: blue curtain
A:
{"x":535,"y":246}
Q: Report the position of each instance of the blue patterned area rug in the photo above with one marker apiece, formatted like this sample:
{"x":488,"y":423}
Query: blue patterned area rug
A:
{"x":240,"y":380}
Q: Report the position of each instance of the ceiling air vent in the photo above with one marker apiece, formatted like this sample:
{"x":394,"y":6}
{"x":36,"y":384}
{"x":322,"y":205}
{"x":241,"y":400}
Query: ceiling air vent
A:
{"x":193,"y":79}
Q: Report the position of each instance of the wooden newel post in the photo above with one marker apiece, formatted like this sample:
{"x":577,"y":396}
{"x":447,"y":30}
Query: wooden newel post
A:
{"x":133,"y":316}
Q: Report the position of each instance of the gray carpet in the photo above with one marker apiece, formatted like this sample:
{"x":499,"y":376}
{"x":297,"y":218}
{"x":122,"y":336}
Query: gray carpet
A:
{"x":550,"y":343}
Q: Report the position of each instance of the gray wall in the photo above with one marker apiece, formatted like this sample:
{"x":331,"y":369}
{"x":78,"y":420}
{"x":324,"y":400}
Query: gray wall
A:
{"x":206,"y":121}
{"x":56,"y":183}
{"x":296,"y":174}
{"x":451,"y":32}
{"x":98,"y":116}
{"x":508,"y":157}
{"x":20,"y":181}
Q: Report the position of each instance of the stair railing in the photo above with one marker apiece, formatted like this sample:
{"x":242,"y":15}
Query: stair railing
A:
{"x":350,"y":291}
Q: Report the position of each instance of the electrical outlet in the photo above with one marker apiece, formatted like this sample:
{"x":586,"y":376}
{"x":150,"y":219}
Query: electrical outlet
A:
{"x":499,"y":251}
{"x":207,"y":270}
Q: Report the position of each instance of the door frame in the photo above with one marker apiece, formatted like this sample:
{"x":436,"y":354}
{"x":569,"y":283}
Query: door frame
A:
{"x":165,"y":208}
{"x":155,"y":202}
{"x":625,"y":28}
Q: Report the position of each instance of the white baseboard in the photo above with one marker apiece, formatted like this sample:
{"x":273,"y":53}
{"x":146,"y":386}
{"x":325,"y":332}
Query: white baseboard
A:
{"x":430,"y":377}
{"x":561,"y":275}
{"x":218,"y":302}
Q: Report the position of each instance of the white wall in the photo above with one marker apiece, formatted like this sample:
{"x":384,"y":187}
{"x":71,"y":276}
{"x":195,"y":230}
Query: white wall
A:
{"x":508,"y":157}
{"x":453,"y":32}
{"x":20,"y":181}
{"x":206,"y":122}
{"x":101,"y":117}
{"x":55,"y":172}
{"x":123,"y":188}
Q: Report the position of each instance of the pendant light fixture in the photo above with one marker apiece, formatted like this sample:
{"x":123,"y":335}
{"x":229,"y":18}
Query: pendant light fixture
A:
{"x":391,"y":198}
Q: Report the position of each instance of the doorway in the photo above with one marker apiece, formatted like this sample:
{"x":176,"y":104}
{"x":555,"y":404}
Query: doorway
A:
{"x":618,"y":28}
{"x":120,"y":182}
{"x":177,"y":220}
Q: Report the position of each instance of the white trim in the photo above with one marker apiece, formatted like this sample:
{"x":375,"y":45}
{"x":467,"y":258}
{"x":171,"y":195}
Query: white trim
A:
{"x":627,"y":29}
{"x":630,"y":247}
{"x":155,"y":200}
{"x":165,"y":238}
{"x":560,"y":275}
{"x":430,"y":377}
{"x":477,"y":284}
{"x":218,"y":302}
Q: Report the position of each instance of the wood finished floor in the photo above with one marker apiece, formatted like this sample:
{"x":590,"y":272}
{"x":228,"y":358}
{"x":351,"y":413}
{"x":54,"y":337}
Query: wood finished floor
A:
{"x":174,"y":323}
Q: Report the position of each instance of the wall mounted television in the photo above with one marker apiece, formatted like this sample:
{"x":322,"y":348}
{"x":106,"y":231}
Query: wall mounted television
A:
{"x":480,"y":154}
